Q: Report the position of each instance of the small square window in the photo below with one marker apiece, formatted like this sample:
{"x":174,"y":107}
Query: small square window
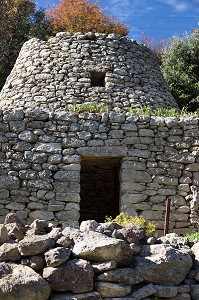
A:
{"x":97,"y":79}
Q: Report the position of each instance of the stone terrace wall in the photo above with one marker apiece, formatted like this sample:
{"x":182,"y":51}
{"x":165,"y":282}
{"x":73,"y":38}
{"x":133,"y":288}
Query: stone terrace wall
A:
{"x":55,"y":73}
{"x":41,"y":152}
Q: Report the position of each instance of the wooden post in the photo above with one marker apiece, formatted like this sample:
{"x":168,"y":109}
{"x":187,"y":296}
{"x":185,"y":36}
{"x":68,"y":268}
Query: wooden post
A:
{"x":166,"y":219}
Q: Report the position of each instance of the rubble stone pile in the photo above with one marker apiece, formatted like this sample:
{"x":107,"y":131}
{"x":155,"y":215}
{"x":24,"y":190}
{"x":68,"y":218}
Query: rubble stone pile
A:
{"x":98,"y":261}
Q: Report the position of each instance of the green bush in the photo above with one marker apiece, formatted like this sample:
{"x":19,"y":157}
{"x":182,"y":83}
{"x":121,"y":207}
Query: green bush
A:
{"x":180,"y":67}
{"x":192,"y":236}
{"x":93,"y":107}
{"x":124,"y":219}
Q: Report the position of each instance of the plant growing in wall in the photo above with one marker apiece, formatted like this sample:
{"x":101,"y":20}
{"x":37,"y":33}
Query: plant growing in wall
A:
{"x":124,"y":219}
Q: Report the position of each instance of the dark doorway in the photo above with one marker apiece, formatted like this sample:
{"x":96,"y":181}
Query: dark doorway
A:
{"x":99,"y":188}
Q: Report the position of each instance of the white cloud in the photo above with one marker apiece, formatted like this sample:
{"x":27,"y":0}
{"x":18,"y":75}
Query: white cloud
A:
{"x":179,"y":5}
{"x":128,"y":8}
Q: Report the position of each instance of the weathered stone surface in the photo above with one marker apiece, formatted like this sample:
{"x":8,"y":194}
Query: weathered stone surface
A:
{"x":126,"y":276}
{"x":15,"y":232}
{"x":90,"y":225}
{"x":108,"y":289}
{"x":144,"y":292}
{"x":4,"y":237}
{"x":19,"y":282}
{"x":69,"y":296}
{"x":75,"y":275}
{"x":104,"y":266}
{"x":133,"y":233}
{"x":195,"y":252}
{"x":33,"y":245}
{"x":36,"y":262}
{"x":9,"y":252}
{"x":55,"y":257}
{"x":166,"y":291}
{"x":162,"y":264}
{"x":9,"y":182}
{"x":95,"y":246}
{"x":194,"y":292}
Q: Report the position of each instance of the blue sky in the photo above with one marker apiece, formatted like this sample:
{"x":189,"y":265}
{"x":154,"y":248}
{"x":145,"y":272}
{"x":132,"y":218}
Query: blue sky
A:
{"x":159,"y":19}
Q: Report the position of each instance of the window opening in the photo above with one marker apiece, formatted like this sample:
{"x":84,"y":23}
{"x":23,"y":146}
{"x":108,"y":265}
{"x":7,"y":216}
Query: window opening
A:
{"x":97,"y":79}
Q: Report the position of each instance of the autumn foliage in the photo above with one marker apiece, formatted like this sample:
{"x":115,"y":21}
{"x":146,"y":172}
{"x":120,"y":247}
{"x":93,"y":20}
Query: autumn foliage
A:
{"x":84,"y":16}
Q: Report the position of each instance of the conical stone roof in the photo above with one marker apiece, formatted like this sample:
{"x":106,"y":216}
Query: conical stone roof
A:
{"x":110,"y":69}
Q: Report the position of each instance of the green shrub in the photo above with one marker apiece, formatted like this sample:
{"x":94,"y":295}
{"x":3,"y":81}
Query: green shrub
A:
{"x":124,"y":219}
{"x":162,"y":112}
{"x":192,"y":236}
{"x":93,"y":107}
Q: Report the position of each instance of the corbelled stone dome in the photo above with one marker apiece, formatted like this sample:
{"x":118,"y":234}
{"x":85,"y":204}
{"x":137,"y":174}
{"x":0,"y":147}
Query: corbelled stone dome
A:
{"x":110,"y":69}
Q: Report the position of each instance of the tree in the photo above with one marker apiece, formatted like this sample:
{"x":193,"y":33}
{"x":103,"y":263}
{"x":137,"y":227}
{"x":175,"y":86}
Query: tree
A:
{"x":14,"y":28}
{"x":83,"y":16}
{"x":19,"y":21}
{"x":180,"y":67}
{"x":41,"y":26}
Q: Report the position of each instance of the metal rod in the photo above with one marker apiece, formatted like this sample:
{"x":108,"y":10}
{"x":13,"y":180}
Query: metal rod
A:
{"x":166,"y":220}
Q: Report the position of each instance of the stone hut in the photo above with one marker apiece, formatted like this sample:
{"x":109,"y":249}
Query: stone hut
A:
{"x":63,"y":166}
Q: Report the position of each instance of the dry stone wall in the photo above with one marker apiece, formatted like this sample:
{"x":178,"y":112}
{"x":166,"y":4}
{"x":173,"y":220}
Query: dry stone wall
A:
{"x":110,"y":69}
{"x":42,"y":151}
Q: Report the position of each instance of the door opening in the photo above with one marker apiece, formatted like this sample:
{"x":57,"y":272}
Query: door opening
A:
{"x":100,"y":186}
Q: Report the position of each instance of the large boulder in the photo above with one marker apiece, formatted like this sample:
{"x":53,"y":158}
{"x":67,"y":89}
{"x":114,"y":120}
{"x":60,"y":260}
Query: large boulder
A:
{"x":75,"y":276}
{"x":163,"y":264}
{"x":125,"y":276}
{"x":35,"y":244}
{"x":95,"y":246}
{"x":19,"y":282}
{"x":109,"y":289}
{"x":195,"y":252}
{"x":133,"y":233}
{"x":9,"y":252}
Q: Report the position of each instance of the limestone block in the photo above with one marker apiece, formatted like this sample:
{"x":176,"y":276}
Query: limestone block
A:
{"x":34,"y":244}
{"x":69,"y":296}
{"x":166,"y":180}
{"x":68,"y":216}
{"x":100,"y":267}
{"x":126,"y":276}
{"x":55,"y":159}
{"x":152,"y":215}
{"x":24,"y":283}
{"x":28,"y":136}
{"x":9,"y":182}
{"x":13,"y":115}
{"x":16,"y":126}
{"x":38,"y":184}
{"x":9,"y":252}
{"x":38,"y":158}
{"x":146,"y":132}
{"x":75,"y":275}
{"x":132,"y":198}
{"x":139,"y":153}
{"x":179,"y":217}
{"x":67,"y":175}
{"x":158,"y":263}
{"x":144,"y":292}
{"x":57,"y":256}
{"x":103,"y":151}
{"x":166,"y":291}
{"x":129,"y":187}
{"x":40,"y":214}
{"x":108,"y":289}
{"x":196,"y":178}
{"x":136,"y":176}
{"x":15,"y":206}
{"x":48,"y":147}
